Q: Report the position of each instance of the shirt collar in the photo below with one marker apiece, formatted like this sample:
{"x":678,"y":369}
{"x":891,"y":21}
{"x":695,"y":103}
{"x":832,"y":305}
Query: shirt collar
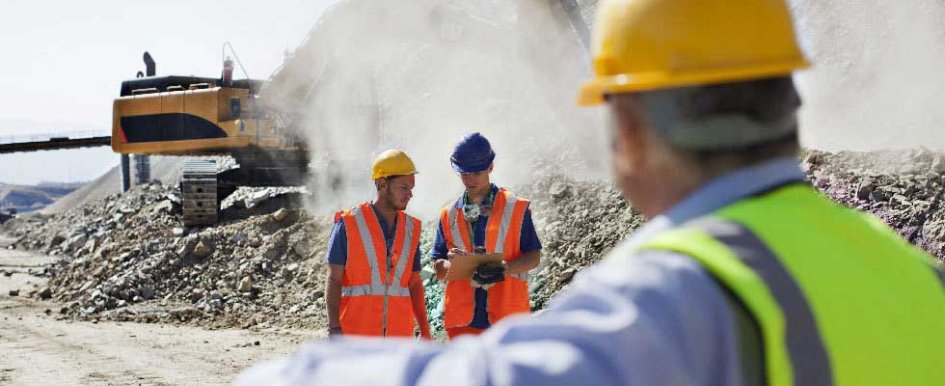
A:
{"x":735,"y":186}
{"x":718,"y":193}
{"x":382,"y":222}
{"x":459,"y":202}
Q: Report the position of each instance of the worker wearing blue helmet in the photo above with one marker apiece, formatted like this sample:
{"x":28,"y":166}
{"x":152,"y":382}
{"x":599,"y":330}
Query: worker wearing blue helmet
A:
{"x":485,"y":219}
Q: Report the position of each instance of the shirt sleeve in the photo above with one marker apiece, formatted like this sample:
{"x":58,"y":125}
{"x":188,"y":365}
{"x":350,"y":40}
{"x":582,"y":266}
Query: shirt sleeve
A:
{"x":338,"y":244}
{"x":656,"y":319}
{"x":439,"y":245}
{"x":529,"y":240}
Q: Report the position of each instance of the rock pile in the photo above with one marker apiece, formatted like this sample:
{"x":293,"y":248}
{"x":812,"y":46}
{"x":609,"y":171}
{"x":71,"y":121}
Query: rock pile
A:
{"x":578,"y":222}
{"x":126,"y":258}
{"x":903,"y":188}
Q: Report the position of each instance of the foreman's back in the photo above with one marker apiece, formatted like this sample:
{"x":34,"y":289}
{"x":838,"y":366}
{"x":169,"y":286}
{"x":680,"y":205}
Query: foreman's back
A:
{"x":877,"y":300}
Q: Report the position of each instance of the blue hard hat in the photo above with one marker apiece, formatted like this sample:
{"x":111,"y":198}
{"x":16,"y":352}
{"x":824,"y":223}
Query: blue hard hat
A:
{"x":472,"y":154}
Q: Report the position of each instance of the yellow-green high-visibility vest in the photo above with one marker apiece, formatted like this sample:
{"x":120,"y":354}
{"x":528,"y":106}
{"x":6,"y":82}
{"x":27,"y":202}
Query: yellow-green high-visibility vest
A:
{"x":840,"y":299}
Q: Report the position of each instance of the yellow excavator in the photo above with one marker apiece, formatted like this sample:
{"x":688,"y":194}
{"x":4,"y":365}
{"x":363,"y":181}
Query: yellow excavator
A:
{"x":198,"y":116}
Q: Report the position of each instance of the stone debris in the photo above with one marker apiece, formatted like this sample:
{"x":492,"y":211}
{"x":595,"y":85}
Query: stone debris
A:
{"x":578,"y":222}
{"x":246,"y":285}
{"x":126,"y":257}
{"x":903,"y":188}
{"x":202,"y":250}
{"x":44,"y":293}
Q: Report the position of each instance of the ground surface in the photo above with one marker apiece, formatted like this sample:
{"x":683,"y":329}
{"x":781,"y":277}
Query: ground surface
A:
{"x":40,"y":347}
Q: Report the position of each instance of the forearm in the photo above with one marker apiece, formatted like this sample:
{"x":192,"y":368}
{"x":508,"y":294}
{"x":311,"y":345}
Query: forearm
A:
{"x":526,"y":262}
{"x":418,"y":299}
{"x":333,"y":301}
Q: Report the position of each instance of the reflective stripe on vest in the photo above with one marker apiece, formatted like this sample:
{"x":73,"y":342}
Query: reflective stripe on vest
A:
{"x":454,"y":216}
{"x":498,"y":245}
{"x":367,"y":241}
{"x":455,"y":235}
{"x":391,"y":285}
{"x":367,"y":290}
{"x":379,"y":286}
{"x":809,"y":363}
{"x":839,"y":298}
{"x":502,"y":235}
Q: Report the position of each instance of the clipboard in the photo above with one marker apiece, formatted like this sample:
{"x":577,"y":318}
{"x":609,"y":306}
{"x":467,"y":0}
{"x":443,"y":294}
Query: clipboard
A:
{"x":462,"y":267}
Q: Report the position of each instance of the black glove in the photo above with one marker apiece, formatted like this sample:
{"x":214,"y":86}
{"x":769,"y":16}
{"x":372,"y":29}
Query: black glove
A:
{"x":488,"y":274}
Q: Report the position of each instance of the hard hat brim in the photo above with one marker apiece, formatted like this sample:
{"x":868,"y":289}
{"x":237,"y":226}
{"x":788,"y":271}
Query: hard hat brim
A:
{"x":592,"y":93}
{"x":376,"y":177}
{"x":473,"y":167}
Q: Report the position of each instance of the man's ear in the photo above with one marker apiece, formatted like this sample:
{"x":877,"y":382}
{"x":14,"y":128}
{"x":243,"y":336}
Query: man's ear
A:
{"x":381,"y":184}
{"x":491,"y":166}
{"x":629,"y":135}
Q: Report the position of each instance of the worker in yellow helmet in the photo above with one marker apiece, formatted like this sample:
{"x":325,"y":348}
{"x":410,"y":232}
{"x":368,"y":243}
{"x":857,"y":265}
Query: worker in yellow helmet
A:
{"x":373,"y":286}
{"x":744,"y":274}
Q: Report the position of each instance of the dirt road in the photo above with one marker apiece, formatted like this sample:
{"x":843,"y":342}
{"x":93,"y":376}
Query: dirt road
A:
{"x":37,"y":347}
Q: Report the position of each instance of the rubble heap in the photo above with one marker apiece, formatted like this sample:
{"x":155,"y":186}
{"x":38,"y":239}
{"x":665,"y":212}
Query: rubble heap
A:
{"x":578,"y":222}
{"x":126,"y":258}
{"x":903,"y":188}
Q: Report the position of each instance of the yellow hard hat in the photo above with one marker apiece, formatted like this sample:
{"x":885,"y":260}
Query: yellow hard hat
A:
{"x":642,"y":45}
{"x":393,"y":162}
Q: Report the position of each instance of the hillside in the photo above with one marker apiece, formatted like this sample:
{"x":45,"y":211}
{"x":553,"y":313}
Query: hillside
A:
{"x":24,"y":198}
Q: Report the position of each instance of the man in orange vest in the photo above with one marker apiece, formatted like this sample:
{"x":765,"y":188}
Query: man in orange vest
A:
{"x":486,"y":219}
{"x":370,"y":290}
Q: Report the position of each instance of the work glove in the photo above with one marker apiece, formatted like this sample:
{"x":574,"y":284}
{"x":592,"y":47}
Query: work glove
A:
{"x":487,"y":275}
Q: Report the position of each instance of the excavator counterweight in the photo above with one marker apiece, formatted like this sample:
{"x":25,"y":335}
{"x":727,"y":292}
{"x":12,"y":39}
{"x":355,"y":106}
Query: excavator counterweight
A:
{"x":198,"y":116}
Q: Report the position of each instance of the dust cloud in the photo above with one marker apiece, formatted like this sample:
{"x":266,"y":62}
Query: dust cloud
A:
{"x":878,"y":80}
{"x":419,"y":74}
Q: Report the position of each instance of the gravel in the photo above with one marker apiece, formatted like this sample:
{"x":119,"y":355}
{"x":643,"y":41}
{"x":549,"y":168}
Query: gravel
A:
{"x":125,"y":257}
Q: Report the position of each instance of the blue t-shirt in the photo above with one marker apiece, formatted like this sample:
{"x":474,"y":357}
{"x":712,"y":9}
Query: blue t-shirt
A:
{"x":527,"y":242}
{"x":338,"y":242}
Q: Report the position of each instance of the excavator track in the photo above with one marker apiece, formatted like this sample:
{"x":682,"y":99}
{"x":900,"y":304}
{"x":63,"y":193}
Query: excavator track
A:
{"x":198,"y":187}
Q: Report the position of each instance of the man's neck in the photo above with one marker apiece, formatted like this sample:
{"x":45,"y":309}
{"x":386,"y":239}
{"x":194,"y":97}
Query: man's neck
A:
{"x":387,"y":212}
{"x":660,"y":194}
{"x":476,"y":198}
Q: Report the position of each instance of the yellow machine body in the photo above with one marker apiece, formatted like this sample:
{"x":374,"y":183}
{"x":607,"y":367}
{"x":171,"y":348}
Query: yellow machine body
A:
{"x":202,"y":119}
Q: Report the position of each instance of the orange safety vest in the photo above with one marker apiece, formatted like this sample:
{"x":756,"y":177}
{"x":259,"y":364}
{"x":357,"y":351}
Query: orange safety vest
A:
{"x":375,"y":298}
{"x":503,"y":234}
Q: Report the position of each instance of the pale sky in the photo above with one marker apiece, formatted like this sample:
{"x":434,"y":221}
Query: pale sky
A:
{"x":63,"y":63}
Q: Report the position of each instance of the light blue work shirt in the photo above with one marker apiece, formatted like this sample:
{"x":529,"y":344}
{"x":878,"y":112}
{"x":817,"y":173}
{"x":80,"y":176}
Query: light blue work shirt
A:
{"x":651,"y":318}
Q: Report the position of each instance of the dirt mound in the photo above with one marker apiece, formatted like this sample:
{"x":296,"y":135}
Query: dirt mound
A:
{"x":903,"y":188}
{"x":125,"y":258}
{"x":164,"y":169}
{"x":578,"y":223}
